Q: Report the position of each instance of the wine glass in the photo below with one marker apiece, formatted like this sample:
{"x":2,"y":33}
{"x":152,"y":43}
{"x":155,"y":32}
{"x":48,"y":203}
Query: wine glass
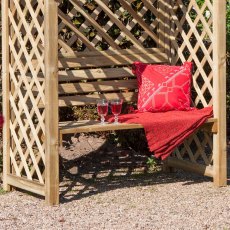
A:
{"x":116,"y":106}
{"x":102,"y":109}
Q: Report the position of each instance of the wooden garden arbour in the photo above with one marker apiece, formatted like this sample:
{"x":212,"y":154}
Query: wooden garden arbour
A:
{"x":32,"y":36}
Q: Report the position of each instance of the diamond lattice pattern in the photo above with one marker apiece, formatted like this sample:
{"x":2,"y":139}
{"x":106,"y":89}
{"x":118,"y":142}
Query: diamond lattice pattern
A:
{"x":110,"y":24}
{"x":192,"y":34}
{"x":197,"y":149}
{"x":27,"y":128}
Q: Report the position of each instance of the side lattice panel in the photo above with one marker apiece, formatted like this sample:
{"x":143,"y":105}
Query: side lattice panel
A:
{"x":26,"y":39}
{"x":198,"y":148}
{"x":192,"y":35}
{"x":192,"y":41}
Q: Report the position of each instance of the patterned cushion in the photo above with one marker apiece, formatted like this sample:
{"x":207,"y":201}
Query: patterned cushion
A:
{"x":163,"y":87}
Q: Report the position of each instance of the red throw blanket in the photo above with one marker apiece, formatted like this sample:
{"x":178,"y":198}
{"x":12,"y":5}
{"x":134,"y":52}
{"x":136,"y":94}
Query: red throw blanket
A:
{"x":166,"y":130}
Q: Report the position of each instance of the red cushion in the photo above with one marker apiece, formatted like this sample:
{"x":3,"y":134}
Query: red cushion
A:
{"x":163,"y":87}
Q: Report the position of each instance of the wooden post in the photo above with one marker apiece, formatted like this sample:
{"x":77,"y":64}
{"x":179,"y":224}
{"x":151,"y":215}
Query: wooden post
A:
{"x":51,"y":104}
{"x":5,"y":91}
{"x":219,"y":96}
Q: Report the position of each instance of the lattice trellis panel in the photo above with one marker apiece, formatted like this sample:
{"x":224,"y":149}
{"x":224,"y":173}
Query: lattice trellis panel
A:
{"x":192,"y":41}
{"x":198,"y":148}
{"x":26,"y":39}
{"x":192,"y":34}
{"x":107,"y":25}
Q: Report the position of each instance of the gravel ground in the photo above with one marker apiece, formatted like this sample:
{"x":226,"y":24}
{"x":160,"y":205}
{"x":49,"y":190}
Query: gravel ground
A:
{"x":115,"y":191}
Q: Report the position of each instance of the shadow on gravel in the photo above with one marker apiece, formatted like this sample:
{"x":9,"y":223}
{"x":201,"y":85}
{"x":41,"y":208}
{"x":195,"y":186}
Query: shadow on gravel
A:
{"x":109,"y":168}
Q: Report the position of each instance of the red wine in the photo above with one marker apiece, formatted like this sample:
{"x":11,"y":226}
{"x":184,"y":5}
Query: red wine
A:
{"x":116,"y":107}
{"x":102,"y":109}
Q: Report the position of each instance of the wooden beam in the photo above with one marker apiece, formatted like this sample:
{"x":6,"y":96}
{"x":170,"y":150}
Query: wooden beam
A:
{"x":219,"y":92}
{"x":189,"y":166}
{"x":93,"y":126}
{"x":5,"y":92}
{"x":211,"y":125}
{"x":27,"y":185}
{"x":108,"y":58}
{"x":51,"y":104}
{"x":80,"y":126}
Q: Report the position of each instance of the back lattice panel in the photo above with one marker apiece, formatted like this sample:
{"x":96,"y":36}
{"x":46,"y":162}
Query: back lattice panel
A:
{"x":103,"y":25}
{"x":27,"y":128}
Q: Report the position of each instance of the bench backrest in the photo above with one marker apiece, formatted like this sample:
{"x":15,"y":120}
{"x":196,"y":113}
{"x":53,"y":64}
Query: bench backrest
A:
{"x":86,"y":77}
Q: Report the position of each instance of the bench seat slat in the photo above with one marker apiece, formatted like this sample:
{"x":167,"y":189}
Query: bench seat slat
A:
{"x":95,"y":126}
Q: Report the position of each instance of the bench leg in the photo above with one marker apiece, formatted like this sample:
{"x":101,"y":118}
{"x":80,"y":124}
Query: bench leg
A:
{"x":60,"y":139}
{"x":167,"y":168}
{"x":219,"y":162}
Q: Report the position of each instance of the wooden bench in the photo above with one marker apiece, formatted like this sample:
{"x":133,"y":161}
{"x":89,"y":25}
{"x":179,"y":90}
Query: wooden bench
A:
{"x":105,"y":75}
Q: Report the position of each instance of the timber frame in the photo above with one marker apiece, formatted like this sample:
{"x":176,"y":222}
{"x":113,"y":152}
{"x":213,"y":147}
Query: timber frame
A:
{"x":51,"y":58}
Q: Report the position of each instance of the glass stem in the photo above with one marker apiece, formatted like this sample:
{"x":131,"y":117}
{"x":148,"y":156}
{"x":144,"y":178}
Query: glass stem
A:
{"x":102,"y":119}
{"x":116,"y":119}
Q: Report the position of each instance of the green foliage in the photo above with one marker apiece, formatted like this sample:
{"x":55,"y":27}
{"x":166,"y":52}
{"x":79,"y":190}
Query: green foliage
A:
{"x":88,"y":112}
{"x":2,"y":191}
{"x":151,"y":162}
{"x":200,"y":2}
